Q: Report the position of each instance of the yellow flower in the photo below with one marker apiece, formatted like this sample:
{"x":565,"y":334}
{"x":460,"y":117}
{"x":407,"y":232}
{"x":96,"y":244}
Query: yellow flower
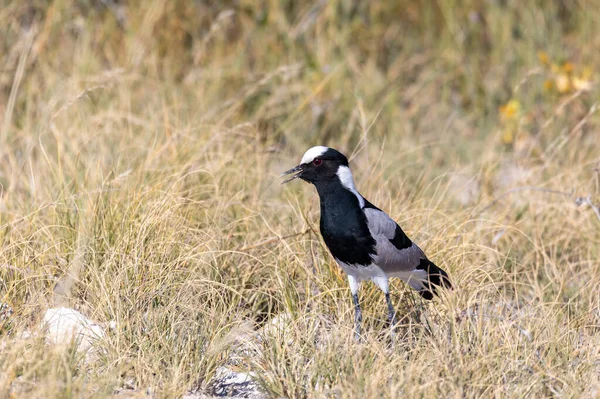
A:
{"x":563,"y":83}
{"x":581,"y":84}
{"x":566,"y":77}
{"x":583,"y":81}
{"x":568,"y":68}
{"x":511,"y":109}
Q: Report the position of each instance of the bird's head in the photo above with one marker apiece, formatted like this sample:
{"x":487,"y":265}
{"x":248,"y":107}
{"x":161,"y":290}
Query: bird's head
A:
{"x":318,"y":164}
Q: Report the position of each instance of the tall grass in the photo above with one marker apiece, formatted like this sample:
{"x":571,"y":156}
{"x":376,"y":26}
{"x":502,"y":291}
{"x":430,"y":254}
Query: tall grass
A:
{"x":139,"y":152}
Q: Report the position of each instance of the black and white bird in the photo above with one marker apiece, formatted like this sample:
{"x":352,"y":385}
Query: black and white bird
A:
{"x":364,"y":241}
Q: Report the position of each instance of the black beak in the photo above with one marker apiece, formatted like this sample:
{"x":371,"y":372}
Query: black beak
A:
{"x":297,"y":170}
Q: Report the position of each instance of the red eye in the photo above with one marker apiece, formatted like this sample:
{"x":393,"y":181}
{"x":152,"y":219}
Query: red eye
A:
{"x":317,"y":161}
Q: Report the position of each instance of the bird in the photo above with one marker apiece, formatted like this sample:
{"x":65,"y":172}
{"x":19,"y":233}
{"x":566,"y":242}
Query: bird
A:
{"x":364,"y":241}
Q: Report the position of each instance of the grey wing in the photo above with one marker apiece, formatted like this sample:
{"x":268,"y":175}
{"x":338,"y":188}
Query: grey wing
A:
{"x":396,"y":254}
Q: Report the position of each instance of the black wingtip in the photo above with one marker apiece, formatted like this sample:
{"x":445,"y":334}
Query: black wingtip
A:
{"x":426,"y":294}
{"x":436,"y":277}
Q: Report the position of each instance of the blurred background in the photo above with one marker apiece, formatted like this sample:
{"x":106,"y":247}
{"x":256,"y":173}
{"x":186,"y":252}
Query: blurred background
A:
{"x":302,"y":72}
{"x":140,"y":144}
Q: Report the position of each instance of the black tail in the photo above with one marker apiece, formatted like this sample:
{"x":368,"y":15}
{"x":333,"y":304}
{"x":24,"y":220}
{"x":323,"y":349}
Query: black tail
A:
{"x":436,"y":277}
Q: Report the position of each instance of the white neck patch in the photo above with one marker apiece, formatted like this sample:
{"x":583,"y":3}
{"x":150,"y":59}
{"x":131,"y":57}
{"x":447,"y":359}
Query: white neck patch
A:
{"x":313,"y":153}
{"x":347,"y":180}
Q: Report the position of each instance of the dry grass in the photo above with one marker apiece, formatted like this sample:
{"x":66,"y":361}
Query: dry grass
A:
{"x":139,"y":152}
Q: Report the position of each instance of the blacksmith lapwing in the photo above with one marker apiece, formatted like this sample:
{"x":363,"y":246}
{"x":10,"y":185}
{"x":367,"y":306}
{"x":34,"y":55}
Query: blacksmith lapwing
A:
{"x":364,"y":240}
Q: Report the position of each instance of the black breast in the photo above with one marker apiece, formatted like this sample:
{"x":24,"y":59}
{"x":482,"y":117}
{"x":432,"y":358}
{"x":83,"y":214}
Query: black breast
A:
{"x":344,"y":226}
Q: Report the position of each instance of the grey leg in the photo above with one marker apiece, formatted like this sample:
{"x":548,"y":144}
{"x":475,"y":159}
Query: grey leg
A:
{"x":357,"y":316}
{"x":382,"y":283}
{"x":391,"y":312}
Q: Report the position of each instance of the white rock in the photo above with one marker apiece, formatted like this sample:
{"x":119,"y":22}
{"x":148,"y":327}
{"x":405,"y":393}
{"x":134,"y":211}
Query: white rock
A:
{"x":231,"y":383}
{"x":280,"y":324}
{"x":65,"y":325}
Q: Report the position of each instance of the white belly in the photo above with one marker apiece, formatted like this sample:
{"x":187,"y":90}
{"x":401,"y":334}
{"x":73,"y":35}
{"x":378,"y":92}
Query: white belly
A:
{"x":414,"y":278}
{"x":360,"y":272}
